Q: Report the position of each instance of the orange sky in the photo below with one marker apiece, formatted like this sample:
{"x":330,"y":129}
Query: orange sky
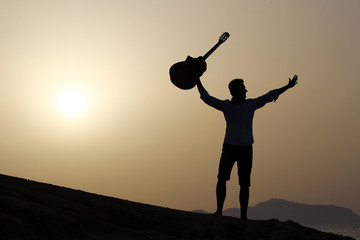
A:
{"x":142,"y":139}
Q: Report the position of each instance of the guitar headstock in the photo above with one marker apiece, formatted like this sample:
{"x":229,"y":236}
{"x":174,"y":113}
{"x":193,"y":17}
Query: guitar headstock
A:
{"x":224,"y":37}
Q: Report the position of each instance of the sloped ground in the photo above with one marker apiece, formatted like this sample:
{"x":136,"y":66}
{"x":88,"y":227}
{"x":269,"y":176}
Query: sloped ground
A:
{"x":32,"y":210}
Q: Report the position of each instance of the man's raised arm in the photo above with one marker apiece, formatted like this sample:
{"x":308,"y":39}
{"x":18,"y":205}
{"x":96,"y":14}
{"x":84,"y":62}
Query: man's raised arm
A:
{"x":200,"y":87}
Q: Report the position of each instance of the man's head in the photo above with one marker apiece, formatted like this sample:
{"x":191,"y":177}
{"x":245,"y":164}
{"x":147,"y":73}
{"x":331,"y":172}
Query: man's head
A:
{"x":238,"y":89}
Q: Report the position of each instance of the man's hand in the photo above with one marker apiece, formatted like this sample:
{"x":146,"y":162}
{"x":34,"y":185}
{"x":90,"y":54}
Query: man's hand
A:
{"x":293,"y":82}
{"x":201,"y":65}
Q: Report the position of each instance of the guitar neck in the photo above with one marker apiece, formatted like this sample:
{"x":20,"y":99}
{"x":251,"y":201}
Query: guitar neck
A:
{"x":212,"y":50}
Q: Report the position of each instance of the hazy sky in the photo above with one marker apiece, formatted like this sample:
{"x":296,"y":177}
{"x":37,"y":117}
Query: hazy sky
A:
{"x":129,"y":133}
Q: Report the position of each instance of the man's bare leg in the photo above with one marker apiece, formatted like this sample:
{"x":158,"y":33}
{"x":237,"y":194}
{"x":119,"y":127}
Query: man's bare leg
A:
{"x":244,"y":201}
{"x":220,"y":196}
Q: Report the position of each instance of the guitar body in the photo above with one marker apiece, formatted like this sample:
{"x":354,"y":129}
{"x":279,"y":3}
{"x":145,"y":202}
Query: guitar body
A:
{"x":186,"y":74}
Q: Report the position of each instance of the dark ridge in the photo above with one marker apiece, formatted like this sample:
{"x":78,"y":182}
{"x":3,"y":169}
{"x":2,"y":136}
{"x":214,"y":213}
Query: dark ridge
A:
{"x":33,"y":210}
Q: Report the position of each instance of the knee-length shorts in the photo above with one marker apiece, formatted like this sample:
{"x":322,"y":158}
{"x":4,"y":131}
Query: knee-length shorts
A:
{"x":243,"y":155}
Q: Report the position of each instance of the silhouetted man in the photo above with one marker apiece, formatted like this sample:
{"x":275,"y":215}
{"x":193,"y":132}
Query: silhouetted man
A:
{"x":237,"y":146}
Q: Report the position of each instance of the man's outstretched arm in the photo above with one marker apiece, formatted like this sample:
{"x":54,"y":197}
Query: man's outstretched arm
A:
{"x":291,"y":84}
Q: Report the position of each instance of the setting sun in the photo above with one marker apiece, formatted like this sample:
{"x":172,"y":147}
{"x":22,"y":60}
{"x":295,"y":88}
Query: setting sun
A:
{"x":72,"y":103}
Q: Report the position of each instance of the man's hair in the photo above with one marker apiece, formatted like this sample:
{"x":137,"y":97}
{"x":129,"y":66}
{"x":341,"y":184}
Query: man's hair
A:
{"x":234,"y":83}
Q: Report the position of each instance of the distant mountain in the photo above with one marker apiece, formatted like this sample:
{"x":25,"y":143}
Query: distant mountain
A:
{"x":200,"y":211}
{"x":304,"y":214}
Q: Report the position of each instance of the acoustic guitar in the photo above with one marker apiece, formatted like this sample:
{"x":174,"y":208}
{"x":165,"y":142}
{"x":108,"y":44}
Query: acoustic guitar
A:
{"x":186,"y":74}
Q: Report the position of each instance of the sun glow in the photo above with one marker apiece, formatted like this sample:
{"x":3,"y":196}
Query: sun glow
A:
{"x":72,"y":103}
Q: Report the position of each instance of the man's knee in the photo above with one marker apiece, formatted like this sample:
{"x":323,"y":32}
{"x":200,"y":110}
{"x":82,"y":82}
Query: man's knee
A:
{"x":244,"y":189}
{"x":221,"y":181}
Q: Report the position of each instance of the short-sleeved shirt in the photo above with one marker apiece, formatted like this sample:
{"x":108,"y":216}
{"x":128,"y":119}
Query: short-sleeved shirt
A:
{"x":239,"y":117}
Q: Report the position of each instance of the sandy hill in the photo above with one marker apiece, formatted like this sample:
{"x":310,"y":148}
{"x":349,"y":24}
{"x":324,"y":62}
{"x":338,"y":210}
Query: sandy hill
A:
{"x":33,"y":210}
